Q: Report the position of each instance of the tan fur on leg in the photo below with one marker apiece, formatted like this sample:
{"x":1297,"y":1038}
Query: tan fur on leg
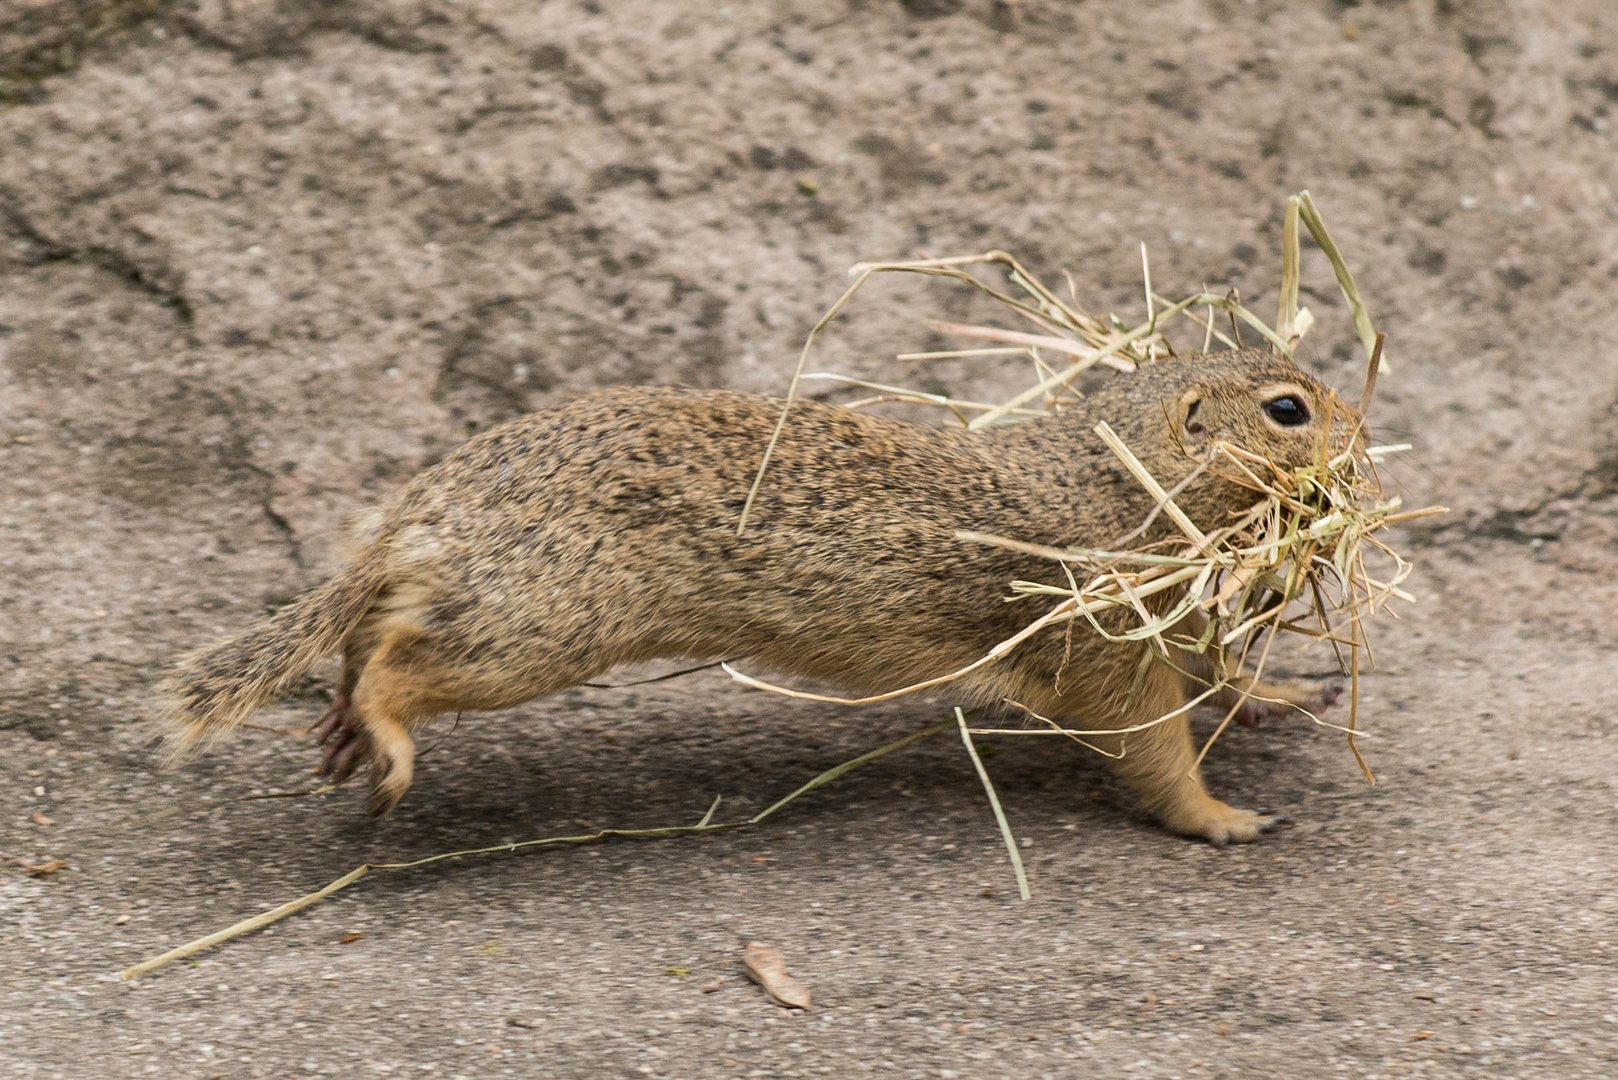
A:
{"x":392,"y":696}
{"x":1158,"y":762}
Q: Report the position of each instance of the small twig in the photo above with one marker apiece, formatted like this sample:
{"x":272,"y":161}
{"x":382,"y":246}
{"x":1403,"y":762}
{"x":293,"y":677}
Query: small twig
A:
{"x":1286,"y":316}
{"x":1149,"y":482}
{"x":1373,"y":368}
{"x":655,"y":678}
{"x":1345,"y":280}
{"x":994,"y":803}
{"x":1354,"y":702}
{"x":1146,"y":282}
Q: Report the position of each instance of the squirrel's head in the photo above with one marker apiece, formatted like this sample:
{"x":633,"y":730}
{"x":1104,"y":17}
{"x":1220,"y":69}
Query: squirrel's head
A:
{"x":1250,"y":400}
{"x":1258,"y":402}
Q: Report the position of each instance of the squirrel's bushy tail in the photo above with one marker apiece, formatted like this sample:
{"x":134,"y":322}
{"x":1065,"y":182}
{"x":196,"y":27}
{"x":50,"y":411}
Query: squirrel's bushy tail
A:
{"x":215,"y":689}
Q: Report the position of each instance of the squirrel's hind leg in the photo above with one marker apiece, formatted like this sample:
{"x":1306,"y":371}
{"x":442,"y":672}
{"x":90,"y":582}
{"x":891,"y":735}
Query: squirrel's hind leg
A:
{"x":401,"y":685}
{"x":410,"y":676}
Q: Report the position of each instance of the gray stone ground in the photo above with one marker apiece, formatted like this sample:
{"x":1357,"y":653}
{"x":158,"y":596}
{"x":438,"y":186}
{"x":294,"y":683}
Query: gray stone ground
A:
{"x":260,"y":261}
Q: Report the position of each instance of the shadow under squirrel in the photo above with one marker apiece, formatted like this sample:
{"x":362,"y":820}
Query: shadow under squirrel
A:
{"x":603,"y":531}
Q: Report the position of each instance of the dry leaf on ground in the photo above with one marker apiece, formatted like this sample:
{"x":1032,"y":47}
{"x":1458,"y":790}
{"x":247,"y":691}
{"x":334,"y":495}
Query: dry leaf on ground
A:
{"x":767,"y":967}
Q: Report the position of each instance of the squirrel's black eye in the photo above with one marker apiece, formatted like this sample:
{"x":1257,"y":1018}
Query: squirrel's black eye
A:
{"x":1288,"y":411}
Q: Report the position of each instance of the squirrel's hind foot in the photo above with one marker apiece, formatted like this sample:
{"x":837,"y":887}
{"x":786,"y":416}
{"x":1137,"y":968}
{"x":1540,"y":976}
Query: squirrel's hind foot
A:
{"x":346,"y":743}
{"x":343,"y":743}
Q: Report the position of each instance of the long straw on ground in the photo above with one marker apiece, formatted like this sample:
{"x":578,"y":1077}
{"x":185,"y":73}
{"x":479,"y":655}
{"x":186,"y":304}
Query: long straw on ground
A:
{"x":1304,"y":540}
{"x":704,"y":826}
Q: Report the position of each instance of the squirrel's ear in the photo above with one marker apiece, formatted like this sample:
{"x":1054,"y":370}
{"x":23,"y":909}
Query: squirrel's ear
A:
{"x":1192,"y":428}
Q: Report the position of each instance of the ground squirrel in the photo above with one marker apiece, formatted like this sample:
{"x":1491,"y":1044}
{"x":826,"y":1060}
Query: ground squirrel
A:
{"x":603,"y":531}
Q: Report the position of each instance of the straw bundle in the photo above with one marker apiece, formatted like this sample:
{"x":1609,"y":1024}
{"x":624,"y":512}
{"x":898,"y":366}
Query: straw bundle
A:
{"x":1305,"y":559}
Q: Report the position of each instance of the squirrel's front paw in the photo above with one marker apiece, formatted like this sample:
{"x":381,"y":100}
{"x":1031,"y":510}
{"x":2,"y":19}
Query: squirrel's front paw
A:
{"x":1220,"y":824}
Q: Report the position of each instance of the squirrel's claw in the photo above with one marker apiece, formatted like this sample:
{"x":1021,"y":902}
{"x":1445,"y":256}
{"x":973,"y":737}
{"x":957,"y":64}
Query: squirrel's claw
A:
{"x":342,"y":741}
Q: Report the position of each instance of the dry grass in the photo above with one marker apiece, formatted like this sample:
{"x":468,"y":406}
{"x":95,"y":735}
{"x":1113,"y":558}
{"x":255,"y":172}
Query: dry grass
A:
{"x":1306,"y":559}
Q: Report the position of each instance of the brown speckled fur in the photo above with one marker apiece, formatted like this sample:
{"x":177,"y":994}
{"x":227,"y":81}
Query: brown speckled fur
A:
{"x":603,"y":531}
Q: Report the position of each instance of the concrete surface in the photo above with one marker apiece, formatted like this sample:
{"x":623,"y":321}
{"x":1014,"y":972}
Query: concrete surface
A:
{"x":260,"y":261}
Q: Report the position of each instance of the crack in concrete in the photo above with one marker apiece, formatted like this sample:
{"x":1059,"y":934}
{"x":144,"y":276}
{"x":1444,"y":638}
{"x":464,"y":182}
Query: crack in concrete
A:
{"x":101,"y":256}
{"x":290,"y":38}
{"x":53,"y":38}
{"x":277,"y":520}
